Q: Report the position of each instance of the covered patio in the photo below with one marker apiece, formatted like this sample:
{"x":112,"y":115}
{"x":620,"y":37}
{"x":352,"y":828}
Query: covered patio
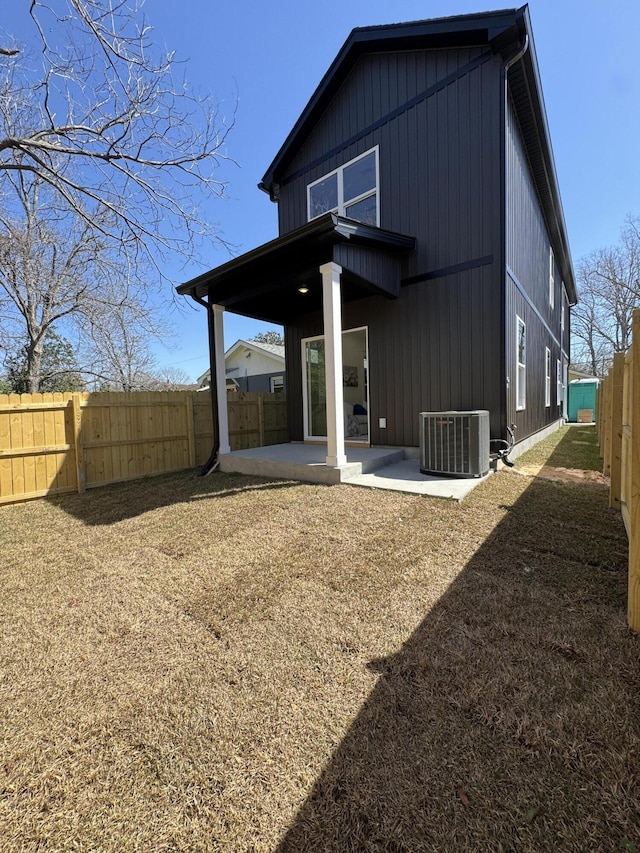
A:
{"x":315,"y":268}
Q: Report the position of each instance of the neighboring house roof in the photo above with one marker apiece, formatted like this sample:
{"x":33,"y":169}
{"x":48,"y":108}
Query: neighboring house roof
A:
{"x":275,"y":350}
{"x":231,"y":383}
{"x":581,"y":374}
{"x":504,"y":32}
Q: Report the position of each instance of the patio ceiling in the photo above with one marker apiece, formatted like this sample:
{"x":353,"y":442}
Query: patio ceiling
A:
{"x":264,"y":282}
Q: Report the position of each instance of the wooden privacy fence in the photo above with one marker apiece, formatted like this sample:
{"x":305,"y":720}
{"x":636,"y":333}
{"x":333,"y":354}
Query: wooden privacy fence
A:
{"x":56,"y":443}
{"x":618,"y":425}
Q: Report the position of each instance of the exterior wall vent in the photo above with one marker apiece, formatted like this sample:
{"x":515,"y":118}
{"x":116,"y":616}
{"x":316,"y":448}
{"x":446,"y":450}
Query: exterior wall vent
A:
{"x":455,"y":443}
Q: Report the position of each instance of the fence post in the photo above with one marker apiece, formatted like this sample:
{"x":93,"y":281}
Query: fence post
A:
{"x":261,"y":419}
{"x":191,"y":433}
{"x":600,"y":406}
{"x":601,"y":403}
{"x":77,"y":440}
{"x":606,"y":426}
{"x":616,"y":429}
{"x":633,"y":608}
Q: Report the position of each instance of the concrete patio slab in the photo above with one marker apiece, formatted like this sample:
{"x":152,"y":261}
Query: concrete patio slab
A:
{"x":306,"y":462}
{"x":405,"y":476}
{"x":393,"y":468}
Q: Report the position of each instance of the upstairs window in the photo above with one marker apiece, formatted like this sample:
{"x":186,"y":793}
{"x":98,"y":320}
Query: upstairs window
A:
{"x":351,"y":190}
{"x":521,"y":357}
{"x":552,"y":284}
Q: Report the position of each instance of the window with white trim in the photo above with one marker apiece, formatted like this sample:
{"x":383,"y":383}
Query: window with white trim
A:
{"x":521,"y":359}
{"x":277,"y":384}
{"x":559,"y":385}
{"x":547,"y":376}
{"x":562,"y":316}
{"x":552,"y":285}
{"x":350,"y":190}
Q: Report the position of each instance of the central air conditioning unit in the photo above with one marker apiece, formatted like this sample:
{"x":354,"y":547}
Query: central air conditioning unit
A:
{"x":455,"y":443}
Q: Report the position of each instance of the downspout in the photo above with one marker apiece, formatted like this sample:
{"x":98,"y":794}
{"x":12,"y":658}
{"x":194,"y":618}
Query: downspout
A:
{"x":212,"y":464}
{"x":508,"y":63}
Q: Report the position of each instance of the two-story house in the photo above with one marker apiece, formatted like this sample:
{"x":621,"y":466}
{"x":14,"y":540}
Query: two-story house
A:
{"x":422,"y":262}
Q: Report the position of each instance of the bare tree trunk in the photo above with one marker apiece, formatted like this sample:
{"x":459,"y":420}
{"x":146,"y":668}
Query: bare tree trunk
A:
{"x":34,"y":365}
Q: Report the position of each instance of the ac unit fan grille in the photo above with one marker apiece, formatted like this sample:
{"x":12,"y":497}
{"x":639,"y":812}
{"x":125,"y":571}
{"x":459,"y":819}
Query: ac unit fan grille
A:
{"x":454,"y":443}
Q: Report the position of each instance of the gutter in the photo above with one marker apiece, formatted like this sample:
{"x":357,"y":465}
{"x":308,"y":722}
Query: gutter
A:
{"x":507,"y":64}
{"x":213,"y":463}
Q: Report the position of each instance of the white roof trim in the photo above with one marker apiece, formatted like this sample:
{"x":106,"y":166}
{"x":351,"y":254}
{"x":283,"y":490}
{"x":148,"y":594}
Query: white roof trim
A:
{"x":257,"y":347}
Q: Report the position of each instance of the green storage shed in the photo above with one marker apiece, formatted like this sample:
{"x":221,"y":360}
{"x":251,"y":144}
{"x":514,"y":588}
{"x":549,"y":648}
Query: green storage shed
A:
{"x":582,"y":399}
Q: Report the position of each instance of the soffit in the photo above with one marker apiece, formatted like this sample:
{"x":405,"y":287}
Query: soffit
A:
{"x":264,"y":282}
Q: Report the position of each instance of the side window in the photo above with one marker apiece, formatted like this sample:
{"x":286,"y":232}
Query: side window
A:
{"x":547,"y":376}
{"x":552,"y":283}
{"x":277,"y":384}
{"x":351,"y":191}
{"x":521,"y":358}
{"x":559,"y":385}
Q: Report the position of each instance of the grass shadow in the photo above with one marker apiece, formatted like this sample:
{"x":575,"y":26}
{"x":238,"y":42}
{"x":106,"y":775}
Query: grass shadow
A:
{"x":510,"y":718}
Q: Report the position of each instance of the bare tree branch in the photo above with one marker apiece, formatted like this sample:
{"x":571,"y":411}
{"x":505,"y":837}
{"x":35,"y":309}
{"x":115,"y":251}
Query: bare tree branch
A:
{"x":56,"y":267}
{"x":101,"y":117}
{"x":609,"y":290}
{"x":107,"y":160}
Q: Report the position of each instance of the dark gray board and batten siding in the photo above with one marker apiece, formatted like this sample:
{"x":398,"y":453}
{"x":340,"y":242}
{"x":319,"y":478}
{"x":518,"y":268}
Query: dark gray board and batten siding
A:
{"x":440,"y":345}
{"x":527,"y":291}
{"x":442,"y":362}
{"x":439,"y":159}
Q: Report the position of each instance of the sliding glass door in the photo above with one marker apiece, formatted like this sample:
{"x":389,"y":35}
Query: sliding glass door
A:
{"x":355,"y":386}
{"x":316,"y":392}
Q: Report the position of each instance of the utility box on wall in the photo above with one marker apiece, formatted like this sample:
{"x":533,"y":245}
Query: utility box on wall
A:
{"x":582,"y":398}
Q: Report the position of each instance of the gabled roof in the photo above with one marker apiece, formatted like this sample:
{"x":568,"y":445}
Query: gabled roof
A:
{"x":504,"y":32}
{"x":272,"y":350}
{"x":460,"y":30}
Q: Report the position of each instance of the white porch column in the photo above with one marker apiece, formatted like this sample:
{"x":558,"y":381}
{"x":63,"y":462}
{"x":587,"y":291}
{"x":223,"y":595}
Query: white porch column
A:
{"x":220,"y":379}
{"x":332,"y":318}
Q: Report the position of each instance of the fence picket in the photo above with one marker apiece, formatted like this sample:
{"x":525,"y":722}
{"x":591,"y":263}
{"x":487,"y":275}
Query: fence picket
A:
{"x":17,"y":464}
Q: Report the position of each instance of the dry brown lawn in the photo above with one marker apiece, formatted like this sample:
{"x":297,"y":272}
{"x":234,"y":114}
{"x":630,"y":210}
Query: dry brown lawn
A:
{"x":234,"y":664}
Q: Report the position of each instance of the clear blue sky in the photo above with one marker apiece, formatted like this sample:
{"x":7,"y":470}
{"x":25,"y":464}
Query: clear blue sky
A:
{"x":273,"y":55}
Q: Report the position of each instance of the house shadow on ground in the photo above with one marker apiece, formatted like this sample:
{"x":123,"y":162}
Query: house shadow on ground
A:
{"x":119,"y":501}
{"x":510,"y":719}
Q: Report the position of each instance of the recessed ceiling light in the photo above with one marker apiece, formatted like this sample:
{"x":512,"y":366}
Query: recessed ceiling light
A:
{"x":303,"y":289}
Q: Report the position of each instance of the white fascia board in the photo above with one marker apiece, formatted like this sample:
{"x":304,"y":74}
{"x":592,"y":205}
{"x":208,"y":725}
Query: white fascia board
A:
{"x":251,"y":346}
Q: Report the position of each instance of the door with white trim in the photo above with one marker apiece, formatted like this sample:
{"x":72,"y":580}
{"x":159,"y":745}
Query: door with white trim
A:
{"x":355,"y":386}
